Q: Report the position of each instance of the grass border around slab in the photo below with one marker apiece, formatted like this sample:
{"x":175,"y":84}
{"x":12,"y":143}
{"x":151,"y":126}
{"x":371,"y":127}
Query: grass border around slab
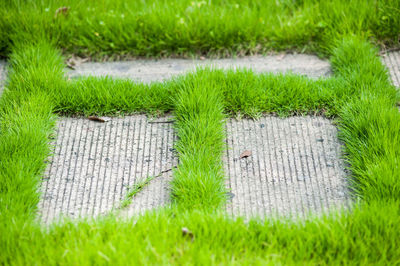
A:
{"x":360,"y":95}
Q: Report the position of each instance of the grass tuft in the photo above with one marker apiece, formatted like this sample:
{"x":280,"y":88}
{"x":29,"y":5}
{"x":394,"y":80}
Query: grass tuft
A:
{"x":135,"y":189}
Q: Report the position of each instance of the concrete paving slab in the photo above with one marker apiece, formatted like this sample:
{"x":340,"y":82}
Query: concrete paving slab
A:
{"x":94,"y":165}
{"x":159,"y":70}
{"x":294,"y":168}
{"x":392,"y":62}
{"x":2,"y":75}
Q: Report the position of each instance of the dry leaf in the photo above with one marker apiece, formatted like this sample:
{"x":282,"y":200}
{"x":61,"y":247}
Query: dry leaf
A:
{"x":70,"y":65}
{"x":75,"y":61}
{"x":187,"y":233}
{"x":280,"y":57}
{"x":62,"y":10}
{"x":99,"y":119}
{"x":245,"y":154}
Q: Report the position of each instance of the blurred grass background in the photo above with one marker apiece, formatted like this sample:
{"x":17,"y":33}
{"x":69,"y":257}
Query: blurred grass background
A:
{"x":117,"y":29}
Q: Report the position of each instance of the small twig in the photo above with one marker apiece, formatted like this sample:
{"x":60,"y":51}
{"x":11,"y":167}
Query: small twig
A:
{"x":166,"y":171}
{"x":389,"y":50}
{"x":161,"y":122}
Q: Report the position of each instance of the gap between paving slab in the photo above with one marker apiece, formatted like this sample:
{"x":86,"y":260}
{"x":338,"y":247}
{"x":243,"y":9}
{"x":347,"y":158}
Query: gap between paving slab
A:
{"x":159,"y":70}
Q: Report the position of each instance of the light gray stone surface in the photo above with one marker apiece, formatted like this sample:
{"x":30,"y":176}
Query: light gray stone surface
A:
{"x":392,"y":62}
{"x":158,"y":70}
{"x":2,"y":75}
{"x":95,"y":164}
{"x":294,"y":170}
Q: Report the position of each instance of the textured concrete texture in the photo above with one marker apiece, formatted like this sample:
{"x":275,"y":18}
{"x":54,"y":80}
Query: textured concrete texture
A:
{"x":2,"y":75}
{"x":158,"y":70}
{"x":94,"y":165}
{"x":294,"y":168}
{"x":392,"y":62}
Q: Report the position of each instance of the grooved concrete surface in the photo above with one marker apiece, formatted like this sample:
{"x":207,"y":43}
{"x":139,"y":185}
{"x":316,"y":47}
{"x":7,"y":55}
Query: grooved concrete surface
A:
{"x":95,"y":164}
{"x":294,"y":168}
{"x":392,"y":62}
{"x":158,"y":70}
{"x":2,"y":75}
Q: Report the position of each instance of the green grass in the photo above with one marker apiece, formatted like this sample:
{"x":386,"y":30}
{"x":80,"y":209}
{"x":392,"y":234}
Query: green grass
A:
{"x":199,"y":180}
{"x":135,"y":189}
{"x":359,"y":97}
{"x":362,"y":100}
{"x":119,"y":29}
{"x":368,"y":236}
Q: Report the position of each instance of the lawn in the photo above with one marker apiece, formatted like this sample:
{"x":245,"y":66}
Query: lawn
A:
{"x":359,"y":97}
